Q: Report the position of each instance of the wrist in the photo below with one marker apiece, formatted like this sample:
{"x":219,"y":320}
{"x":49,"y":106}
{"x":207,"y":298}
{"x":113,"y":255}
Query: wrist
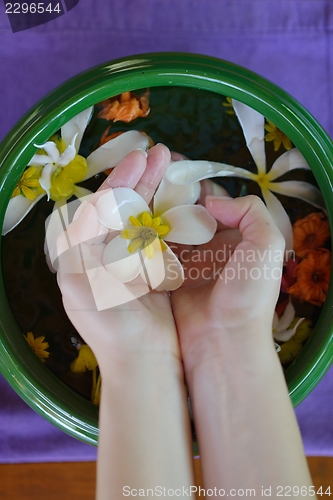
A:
{"x":242,"y":348}
{"x":128,"y":367}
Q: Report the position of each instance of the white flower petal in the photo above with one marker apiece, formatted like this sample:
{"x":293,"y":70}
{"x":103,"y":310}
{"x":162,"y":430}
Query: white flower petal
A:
{"x":76,"y":126}
{"x":169,"y":195}
{"x":299,"y":189}
{"x":287,"y":161}
{"x":252,"y":124}
{"x":80,"y":192}
{"x":68,"y":155}
{"x":284,"y":335}
{"x":164,"y":271}
{"x":185,"y":172}
{"x":51,"y":149}
{"x":190,"y":224}
{"x":18,"y":207}
{"x":286,"y":318}
{"x":280,"y":217}
{"x":275,"y":321}
{"x":112,"y":152}
{"x":45,"y":178}
{"x":119,"y":262}
{"x":39,"y":160}
{"x":116,"y":206}
{"x":86,"y":227}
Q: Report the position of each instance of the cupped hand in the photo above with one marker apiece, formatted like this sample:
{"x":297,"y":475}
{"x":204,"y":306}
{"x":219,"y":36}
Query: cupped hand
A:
{"x":232,"y":283}
{"x":138,"y":324}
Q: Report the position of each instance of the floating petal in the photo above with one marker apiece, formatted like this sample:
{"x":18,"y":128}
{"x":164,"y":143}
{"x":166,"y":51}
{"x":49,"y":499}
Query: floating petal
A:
{"x":299,"y":189}
{"x":170,"y":195}
{"x":18,"y":207}
{"x":112,"y":152}
{"x":116,"y":206}
{"x":45,"y":178}
{"x":185,"y":172}
{"x":280,"y":217}
{"x":39,"y":160}
{"x":284,"y":335}
{"x":51,"y":149}
{"x":252,"y":124}
{"x":190,"y":224}
{"x":286,"y":318}
{"x":286,"y":162}
{"x":68,"y":155}
{"x":76,"y":126}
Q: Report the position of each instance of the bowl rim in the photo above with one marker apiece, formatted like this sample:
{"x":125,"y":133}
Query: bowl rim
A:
{"x":52,"y":398}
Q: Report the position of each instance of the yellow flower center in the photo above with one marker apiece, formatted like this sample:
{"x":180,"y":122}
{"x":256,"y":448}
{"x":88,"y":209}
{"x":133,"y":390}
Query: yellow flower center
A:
{"x":64,"y":178}
{"x":262,"y":180}
{"x":145,"y":232}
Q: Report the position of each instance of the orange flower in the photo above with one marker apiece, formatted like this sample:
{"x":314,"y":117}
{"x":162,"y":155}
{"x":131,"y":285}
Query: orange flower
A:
{"x":310,"y":233}
{"x":312,"y":277}
{"x":125,"y":107}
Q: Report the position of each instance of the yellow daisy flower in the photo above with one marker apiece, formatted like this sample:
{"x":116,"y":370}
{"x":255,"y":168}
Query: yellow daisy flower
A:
{"x":28,"y":184}
{"x":228,"y":104}
{"x":143,"y":233}
{"x":85,"y":361}
{"x":38,"y":346}
{"x":275,"y":134}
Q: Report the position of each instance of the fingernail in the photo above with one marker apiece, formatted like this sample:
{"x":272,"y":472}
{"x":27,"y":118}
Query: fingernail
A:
{"x":143,"y":151}
{"x":222,"y":197}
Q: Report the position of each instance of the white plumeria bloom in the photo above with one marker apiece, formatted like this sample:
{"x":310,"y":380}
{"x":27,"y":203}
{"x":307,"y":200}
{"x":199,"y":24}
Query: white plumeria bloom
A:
{"x":187,"y":171}
{"x":64,"y":155}
{"x":281,"y":326}
{"x":142,"y":232}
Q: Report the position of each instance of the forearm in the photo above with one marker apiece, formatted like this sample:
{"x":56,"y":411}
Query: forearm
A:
{"x":247,"y":431}
{"x":145,"y":436}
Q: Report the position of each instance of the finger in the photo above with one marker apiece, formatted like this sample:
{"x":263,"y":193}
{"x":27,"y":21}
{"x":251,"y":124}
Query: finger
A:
{"x":128,"y":172}
{"x":251,"y":216}
{"x":210,"y":188}
{"x":157,"y":163}
{"x":177,"y":156}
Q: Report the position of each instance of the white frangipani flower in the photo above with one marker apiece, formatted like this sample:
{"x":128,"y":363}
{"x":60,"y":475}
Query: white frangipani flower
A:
{"x":142,"y":232}
{"x":281,"y":325}
{"x":185,"y":172}
{"x":61,"y":168}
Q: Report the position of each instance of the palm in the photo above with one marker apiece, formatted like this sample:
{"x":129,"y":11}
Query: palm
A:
{"x":192,"y":303}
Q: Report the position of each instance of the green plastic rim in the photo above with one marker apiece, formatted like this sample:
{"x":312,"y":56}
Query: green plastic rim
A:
{"x":46,"y":394}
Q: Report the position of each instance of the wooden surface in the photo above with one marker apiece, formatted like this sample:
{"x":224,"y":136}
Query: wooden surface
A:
{"x":76,"y":481}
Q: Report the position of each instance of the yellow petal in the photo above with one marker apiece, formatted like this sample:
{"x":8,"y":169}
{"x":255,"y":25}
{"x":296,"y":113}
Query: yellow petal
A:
{"x":134,"y":221}
{"x":62,"y":187}
{"x":77,"y":169}
{"x":78,"y":366}
{"x":16,"y":192}
{"x":130,"y":234}
{"x":28,"y":193}
{"x":163,"y":230}
{"x":146,"y":219}
{"x":88,"y":357}
{"x":156,"y":222}
{"x":135,"y":245}
{"x":150,"y":251}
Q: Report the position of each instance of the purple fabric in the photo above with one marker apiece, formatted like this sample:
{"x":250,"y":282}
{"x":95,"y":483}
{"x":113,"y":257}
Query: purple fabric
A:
{"x":288,"y":41}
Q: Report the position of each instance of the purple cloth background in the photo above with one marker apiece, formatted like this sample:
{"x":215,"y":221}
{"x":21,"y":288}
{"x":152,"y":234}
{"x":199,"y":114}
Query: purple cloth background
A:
{"x":289,"y":42}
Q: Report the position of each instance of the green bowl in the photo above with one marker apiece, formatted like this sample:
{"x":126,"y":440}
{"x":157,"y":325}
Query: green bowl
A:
{"x":36,"y":384}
